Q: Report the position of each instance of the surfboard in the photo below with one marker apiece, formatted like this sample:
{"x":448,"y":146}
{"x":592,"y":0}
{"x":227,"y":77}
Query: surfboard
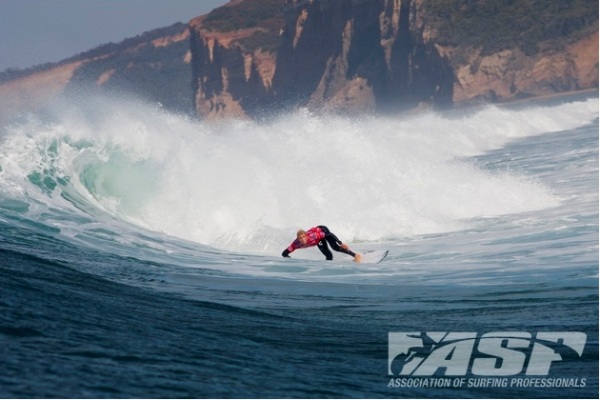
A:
{"x":374,"y":256}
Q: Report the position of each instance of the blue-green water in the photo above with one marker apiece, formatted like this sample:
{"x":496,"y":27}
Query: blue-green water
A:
{"x":140,"y":251}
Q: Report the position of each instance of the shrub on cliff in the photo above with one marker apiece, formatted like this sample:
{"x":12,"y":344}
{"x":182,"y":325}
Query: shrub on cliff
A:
{"x":495,"y":25}
{"x":265,"y":14}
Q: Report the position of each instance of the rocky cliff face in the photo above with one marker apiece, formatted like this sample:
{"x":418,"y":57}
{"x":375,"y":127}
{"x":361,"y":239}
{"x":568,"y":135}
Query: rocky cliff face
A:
{"x":349,"y":55}
{"x":375,"y":58}
{"x":371,"y":55}
{"x":511,"y":74}
{"x":252,"y":58}
{"x":233,"y":68}
{"x":519,"y":61}
{"x":228,"y":79}
{"x":154,"y":66}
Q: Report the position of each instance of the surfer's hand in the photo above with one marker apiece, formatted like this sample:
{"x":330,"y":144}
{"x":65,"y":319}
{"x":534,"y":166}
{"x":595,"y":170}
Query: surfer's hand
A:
{"x":344,"y":246}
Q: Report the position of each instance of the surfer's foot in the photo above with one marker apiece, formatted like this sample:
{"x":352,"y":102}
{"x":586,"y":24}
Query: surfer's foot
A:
{"x":357,"y":258}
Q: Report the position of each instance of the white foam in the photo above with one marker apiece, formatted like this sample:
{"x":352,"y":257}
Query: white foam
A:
{"x":247,"y":186}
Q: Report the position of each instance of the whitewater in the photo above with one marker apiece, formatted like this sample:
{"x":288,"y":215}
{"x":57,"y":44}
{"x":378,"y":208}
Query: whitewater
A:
{"x":159,"y":237}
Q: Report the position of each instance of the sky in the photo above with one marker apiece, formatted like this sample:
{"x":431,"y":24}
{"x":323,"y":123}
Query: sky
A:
{"x":34,"y":32}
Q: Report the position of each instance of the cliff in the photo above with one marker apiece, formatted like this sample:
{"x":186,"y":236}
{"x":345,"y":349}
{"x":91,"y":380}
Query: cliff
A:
{"x":333,"y":55}
{"x":511,"y":74}
{"x":503,"y":50}
{"x":391,"y":55}
{"x":254,"y":58}
{"x":234,"y":52}
{"x":154,"y":66}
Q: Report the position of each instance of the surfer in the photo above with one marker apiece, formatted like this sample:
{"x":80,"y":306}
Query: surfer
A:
{"x":319,"y":236}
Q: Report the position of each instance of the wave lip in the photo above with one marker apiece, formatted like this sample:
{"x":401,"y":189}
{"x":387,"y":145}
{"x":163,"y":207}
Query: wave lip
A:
{"x":244,"y":186}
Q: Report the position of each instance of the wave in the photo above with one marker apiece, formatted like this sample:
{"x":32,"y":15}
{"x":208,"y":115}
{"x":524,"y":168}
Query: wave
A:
{"x":246,"y":186}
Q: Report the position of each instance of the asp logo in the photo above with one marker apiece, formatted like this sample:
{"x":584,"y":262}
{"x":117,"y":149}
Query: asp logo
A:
{"x":488,"y":354}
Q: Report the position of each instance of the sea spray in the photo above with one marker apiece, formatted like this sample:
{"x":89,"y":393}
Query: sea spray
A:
{"x":246,"y":186}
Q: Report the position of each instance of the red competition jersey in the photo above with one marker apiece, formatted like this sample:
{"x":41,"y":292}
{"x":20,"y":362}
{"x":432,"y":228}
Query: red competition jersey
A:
{"x":314,"y":235}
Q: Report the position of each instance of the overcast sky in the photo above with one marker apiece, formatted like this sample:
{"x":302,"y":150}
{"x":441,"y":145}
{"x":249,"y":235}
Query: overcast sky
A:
{"x":34,"y":32}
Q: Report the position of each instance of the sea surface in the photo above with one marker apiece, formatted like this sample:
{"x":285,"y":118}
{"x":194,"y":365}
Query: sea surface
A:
{"x":140,"y":253}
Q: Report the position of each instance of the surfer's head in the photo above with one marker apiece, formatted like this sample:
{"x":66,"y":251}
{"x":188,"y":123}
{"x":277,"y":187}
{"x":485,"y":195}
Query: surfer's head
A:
{"x":301,"y":235}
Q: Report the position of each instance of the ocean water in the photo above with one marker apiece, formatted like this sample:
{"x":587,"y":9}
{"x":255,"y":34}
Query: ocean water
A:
{"x":140,"y":252}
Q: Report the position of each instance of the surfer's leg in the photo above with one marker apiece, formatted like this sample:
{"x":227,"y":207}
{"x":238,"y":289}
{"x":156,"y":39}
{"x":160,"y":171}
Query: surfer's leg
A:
{"x":335,"y":244}
{"x":322,"y":245}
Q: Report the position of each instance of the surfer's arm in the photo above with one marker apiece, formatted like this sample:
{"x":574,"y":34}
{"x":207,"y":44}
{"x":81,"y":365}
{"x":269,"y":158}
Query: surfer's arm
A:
{"x":291,"y":248}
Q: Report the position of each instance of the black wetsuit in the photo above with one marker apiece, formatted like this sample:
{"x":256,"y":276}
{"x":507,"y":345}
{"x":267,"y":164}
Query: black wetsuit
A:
{"x":330,"y":238}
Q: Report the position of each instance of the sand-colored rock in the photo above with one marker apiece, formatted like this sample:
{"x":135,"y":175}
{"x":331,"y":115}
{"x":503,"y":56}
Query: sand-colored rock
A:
{"x":510,"y":74}
{"x":33,"y":91}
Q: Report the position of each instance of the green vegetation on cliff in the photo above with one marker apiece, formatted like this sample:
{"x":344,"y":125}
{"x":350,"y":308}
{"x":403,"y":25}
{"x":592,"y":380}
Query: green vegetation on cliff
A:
{"x":495,"y":25}
{"x":266,"y":15}
{"x":99,"y":51}
{"x":156,"y":74}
